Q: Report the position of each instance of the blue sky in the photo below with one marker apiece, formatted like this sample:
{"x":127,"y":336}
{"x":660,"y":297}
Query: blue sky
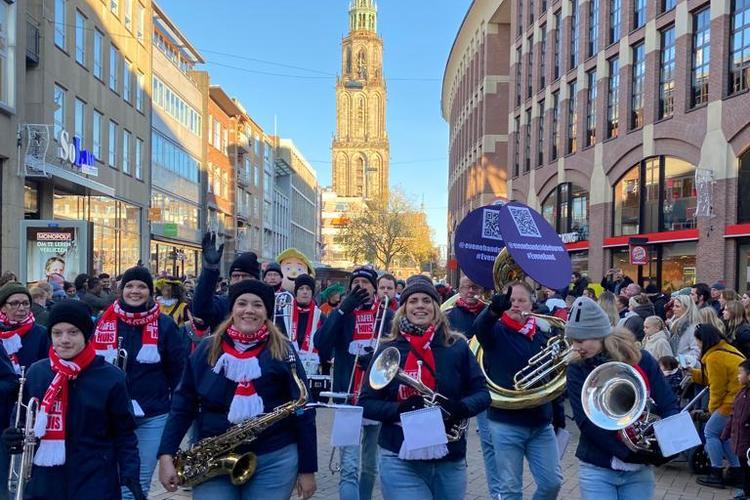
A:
{"x":280,"y":58}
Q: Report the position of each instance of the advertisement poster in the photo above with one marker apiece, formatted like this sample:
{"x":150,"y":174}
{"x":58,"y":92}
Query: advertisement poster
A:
{"x":54,"y":251}
{"x":477,"y":242}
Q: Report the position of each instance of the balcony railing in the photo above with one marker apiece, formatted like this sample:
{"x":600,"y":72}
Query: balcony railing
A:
{"x":32,"y":43}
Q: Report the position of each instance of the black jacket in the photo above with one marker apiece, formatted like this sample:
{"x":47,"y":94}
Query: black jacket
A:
{"x":742,"y":339}
{"x":505,"y":352}
{"x":635,"y":322}
{"x":204,"y":397}
{"x":151,"y":385}
{"x":458,"y":377}
{"x":615,"y":286}
{"x":333,"y":339}
{"x":461,"y":321}
{"x":206,"y":305}
{"x":34,"y":346}
{"x":597,"y":446}
{"x":101,"y":449}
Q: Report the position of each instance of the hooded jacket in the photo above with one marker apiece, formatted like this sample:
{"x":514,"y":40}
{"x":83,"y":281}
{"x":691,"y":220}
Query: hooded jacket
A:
{"x":719,"y":371}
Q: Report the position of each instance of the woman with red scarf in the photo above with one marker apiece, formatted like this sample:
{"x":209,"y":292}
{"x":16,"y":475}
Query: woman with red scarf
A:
{"x":244,"y":370}
{"x":156,"y":357}
{"x":443,"y":362}
{"x":87,"y":444}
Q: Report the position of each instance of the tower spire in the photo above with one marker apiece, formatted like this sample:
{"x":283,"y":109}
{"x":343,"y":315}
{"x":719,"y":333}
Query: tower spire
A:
{"x":363,"y":16}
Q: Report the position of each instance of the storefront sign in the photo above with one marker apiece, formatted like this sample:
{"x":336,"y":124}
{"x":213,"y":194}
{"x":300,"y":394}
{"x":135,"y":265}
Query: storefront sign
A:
{"x":569,"y":237}
{"x":477,"y":242}
{"x":169,"y":230}
{"x":535,"y":245}
{"x":73,"y":153}
{"x":55,"y":251}
{"x":154,"y":214}
{"x":638,"y":251}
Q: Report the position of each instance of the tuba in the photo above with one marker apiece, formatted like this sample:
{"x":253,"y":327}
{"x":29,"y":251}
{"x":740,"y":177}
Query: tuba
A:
{"x":543,"y":379}
{"x":386,"y":368}
{"x":614,"y":397}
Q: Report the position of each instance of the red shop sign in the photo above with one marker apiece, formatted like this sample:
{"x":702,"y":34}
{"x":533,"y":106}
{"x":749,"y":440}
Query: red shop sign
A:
{"x":638,"y":251}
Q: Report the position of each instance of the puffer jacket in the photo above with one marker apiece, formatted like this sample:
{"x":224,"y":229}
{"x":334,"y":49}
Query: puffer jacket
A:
{"x":719,"y":371}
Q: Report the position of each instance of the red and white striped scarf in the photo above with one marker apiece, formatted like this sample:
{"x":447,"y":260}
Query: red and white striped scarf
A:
{"x":527,"y":329}
{"x":240,"y":364}
{"x":12,"y":335}
{"x":311,"y":309}
{"x":50,"y":421}
{"x":105,"y":336}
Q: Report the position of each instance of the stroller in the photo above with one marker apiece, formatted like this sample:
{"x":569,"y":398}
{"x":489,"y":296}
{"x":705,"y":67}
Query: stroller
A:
{"x":697,"y":457}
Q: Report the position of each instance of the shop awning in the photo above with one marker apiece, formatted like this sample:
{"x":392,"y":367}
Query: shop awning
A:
{"x":79,"y":180}
{"x":663,"y":237}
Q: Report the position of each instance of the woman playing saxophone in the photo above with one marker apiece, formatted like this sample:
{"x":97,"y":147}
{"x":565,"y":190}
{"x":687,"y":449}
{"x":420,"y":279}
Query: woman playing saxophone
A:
{"x":247,"y":359}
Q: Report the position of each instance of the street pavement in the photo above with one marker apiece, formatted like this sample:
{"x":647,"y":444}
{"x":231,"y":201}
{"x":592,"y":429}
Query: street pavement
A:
{"x":674,"y":481}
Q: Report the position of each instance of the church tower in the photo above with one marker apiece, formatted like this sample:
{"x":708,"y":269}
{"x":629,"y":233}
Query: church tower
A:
{"x":360,"y":150}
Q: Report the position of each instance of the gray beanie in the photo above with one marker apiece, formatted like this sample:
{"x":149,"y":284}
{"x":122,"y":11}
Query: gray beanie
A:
{"x":586,"y":320}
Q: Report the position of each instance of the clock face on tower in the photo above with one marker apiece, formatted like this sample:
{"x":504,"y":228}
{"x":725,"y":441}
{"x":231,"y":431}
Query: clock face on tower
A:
{"x":360,"y":149}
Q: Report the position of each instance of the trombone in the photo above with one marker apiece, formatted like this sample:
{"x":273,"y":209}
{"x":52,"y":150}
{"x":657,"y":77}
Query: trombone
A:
{"x":19,"y":472}
{"x":282,"y":307}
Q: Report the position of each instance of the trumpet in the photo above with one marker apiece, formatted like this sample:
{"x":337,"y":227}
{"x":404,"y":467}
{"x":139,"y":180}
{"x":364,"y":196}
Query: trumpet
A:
{"x":121,"y":358}
{"x":387,"y":367}
{"x":19,"y":472}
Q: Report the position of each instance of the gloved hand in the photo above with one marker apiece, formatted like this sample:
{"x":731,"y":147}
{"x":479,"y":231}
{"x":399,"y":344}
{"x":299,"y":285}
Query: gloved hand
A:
{"x":455,"y":408}
{"x":413,"y":403}
{"x":135,"y":488}
{"x":211,"y":254}
{"x":700,"y":415}
{"x":355,"y":298}
{"x":501,"y":303}
{"x":364,"y":359}
{"x":14,"y":439}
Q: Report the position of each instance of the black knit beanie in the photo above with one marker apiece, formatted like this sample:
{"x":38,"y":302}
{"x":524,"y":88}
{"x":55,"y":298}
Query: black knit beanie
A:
{"x":364,"y":272}
{"x":304,"y":279}
{"x":419,"y":284}
{"x":273,"y":267}
{"x":255,"y":287}
{"x":76,"y":313}
{"x":246,"y":263}
{"x":138,"y":273}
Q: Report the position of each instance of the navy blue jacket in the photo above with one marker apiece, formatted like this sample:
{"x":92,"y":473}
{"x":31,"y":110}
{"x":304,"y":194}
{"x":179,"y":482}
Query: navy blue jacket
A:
{"x":152,"y":384}
{"x":597,"y":446}
{"x":333,"y":339}
{"x":206,"y":305}
{"x":458,"y":378}
{"x":34,"y":346}
{"x":8,"y":388}
{"x":204,"y":397}
{"x":462,"y":321}
{"x":101,"y":449}
{"x":505,"y":352}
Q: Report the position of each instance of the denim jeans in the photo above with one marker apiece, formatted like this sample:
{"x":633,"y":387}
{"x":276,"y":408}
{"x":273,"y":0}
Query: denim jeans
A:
{"x":274,"y":479}
{"x":421,"y":479}
{"x":715,"y":447}
{"x":148,"y":430}
{"x":488,"y":453}
{"x":359,"y":466}
{"x":598,"y":483}
{"x":538,"y":444}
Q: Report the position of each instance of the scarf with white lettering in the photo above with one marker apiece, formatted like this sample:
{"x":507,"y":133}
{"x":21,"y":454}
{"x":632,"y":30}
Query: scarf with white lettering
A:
{"x":105,"y":336}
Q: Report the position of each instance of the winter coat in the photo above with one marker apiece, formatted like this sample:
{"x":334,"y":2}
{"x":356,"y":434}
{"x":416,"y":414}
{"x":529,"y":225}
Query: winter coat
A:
{"x":333,"y":339}
{"x":742,"y":339}
{"x":634,"y":322}
{"x":97,"y":303}
{"x":682,"y":340}
{"x":34,"y":346}
{"x":615,"y":286}
{"x":458,"y":378}
{"x":8,"y":388}
{"x":660,"y":304}
{"x":101,"y":449}
{"x":719,"y":372}
{"x":657,"y":345}
{"x":204,"y":397}
{"x":40,"y":314}
{"x":578,"y":286}
{"x":461,"y":321}
{"x":737,"y":429}
{"x":505,"y":352}
{"x":207,"y":305}
{"x":152,"y":384}
{"x":598,"y":446}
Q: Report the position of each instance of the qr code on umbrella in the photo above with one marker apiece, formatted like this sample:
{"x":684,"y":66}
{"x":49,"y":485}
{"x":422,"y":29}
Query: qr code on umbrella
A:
{"x":524,"y":222}
{"x":491,"y":225}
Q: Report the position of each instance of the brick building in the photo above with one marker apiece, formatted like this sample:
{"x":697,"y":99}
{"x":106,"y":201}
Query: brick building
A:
{"x":629,"y":120}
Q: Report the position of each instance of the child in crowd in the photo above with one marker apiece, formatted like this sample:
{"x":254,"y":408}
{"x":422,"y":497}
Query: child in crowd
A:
{"x":670,"y":367}
{"x":656,"y":337}
{"x":737,"y":429}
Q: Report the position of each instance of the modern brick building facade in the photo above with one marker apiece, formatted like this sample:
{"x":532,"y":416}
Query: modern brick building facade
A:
{"x":629,"y":119}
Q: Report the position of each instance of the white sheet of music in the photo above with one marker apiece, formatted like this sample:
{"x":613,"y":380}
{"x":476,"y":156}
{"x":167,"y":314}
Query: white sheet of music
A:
{"x":676,"y":433}
{"x":347,"y":425}
{"x":423,"y":428}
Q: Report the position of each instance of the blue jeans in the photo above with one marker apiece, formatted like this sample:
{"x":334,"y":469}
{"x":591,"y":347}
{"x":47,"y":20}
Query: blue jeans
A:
{"x":359,"y":466}
{"x":598,"y":483}
{"x":488,"y":452}
{"x":148,"y":430}
{"x":538,"y":444}
{"x":421,"y":479}
{"x":715,"y":447}
{"x":274,"y":479}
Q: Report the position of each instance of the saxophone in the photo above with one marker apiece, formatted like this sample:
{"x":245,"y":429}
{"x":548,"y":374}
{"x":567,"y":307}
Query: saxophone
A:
{"x":212,"y":456}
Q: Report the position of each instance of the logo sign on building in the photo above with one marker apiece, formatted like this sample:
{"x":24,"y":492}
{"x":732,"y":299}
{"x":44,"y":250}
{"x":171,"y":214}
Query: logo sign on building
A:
{"x":535,"y":245}
{"x":477,"y":242}
{"x":638,"y":251}
{"x":72,"y":152}
{"x":53,"y":250}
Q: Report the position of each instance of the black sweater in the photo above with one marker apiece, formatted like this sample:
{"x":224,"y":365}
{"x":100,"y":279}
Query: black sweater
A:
{"x":458,"y":377}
